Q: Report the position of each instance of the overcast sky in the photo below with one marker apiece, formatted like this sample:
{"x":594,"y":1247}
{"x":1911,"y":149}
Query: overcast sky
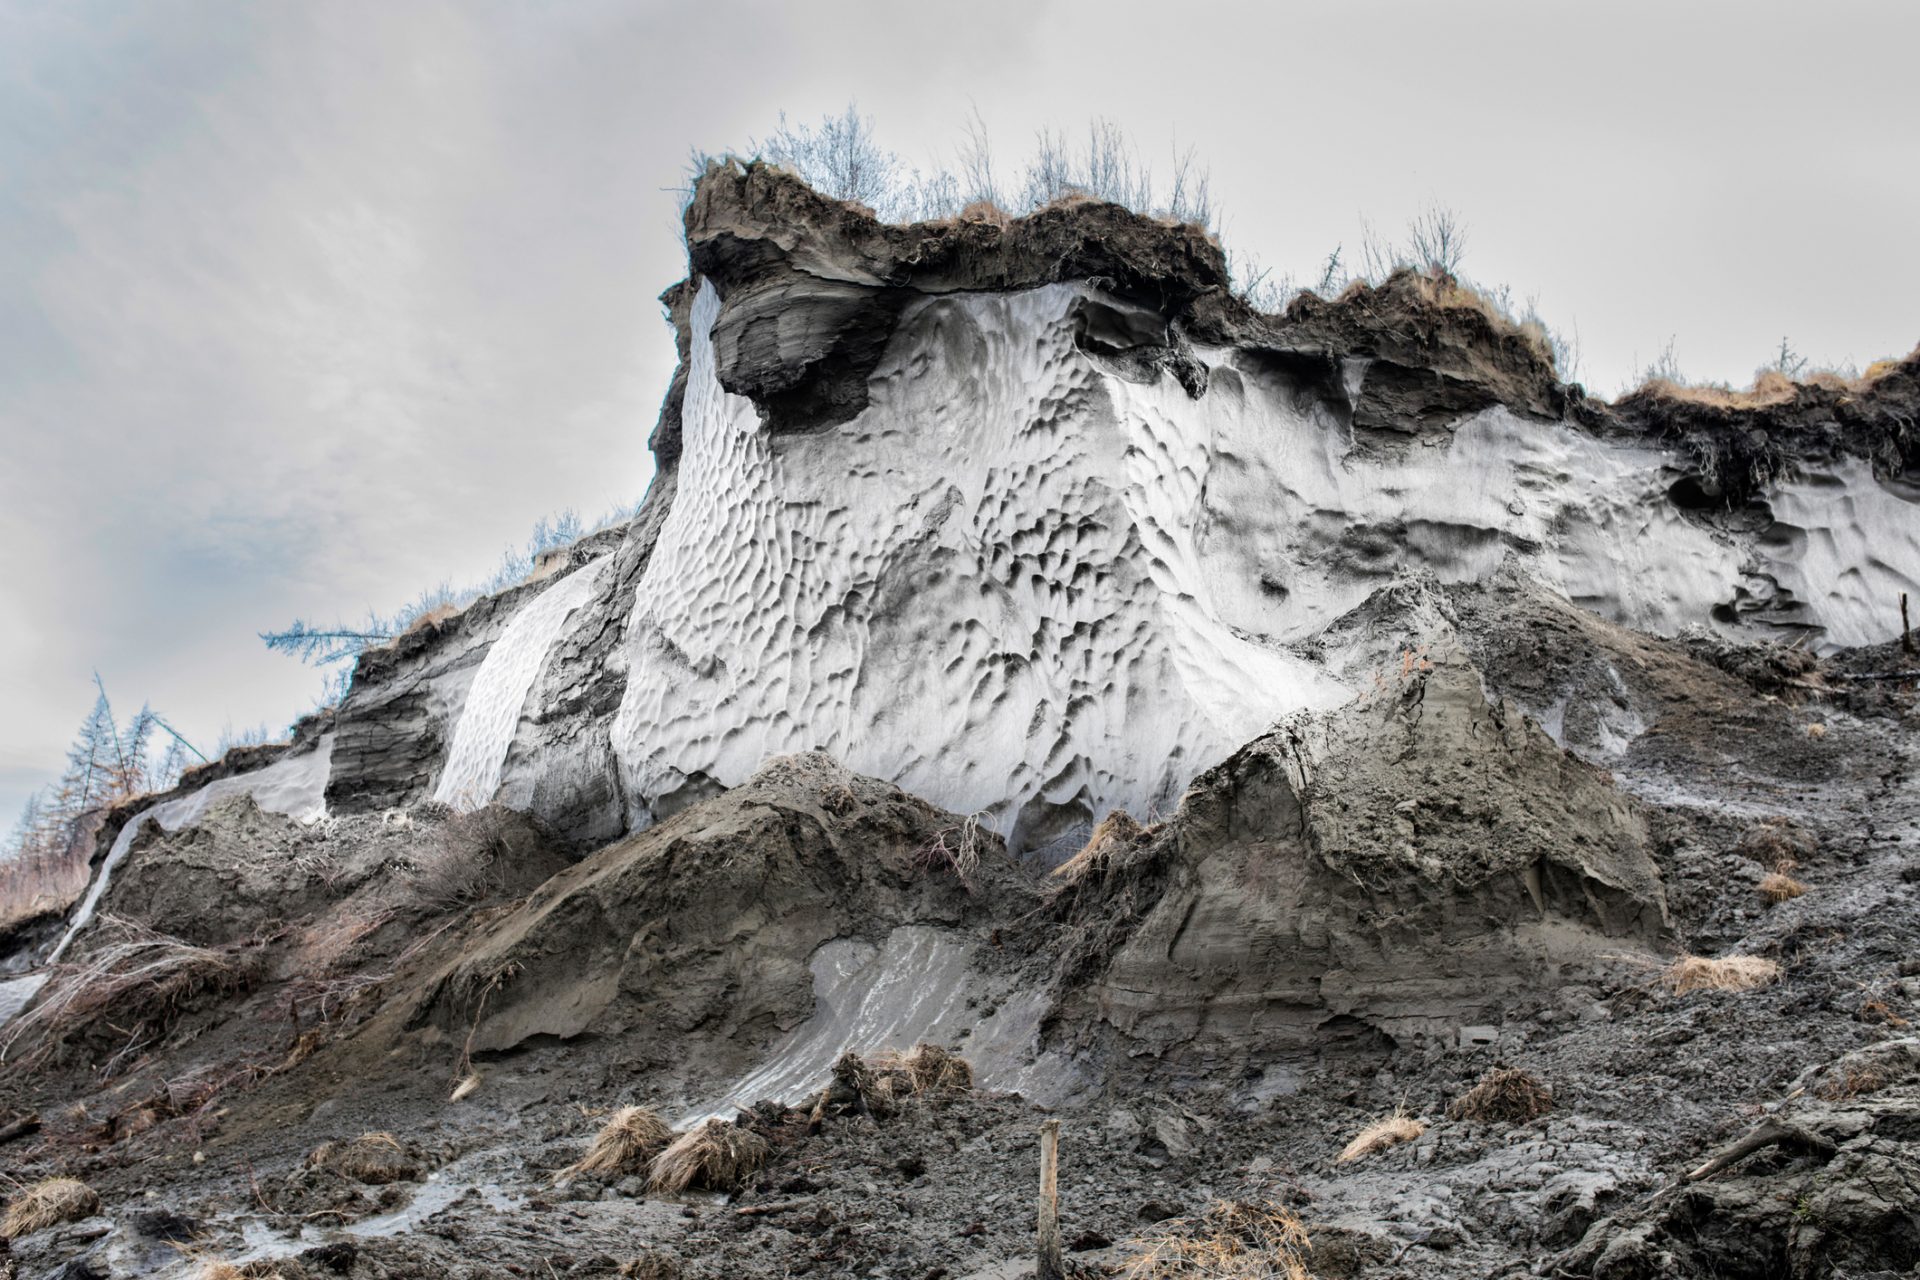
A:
{"x":307,"y":306}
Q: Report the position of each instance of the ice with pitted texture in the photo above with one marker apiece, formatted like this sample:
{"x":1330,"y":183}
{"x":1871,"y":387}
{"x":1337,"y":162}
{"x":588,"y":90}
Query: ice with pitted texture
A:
{"x":494,"y":702}
{"x":1029,"y":584}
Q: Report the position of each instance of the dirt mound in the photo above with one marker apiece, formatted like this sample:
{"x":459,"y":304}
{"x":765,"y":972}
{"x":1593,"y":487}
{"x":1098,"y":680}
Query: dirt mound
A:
{"x":1404,"y":867}
{"x":700,"y":930}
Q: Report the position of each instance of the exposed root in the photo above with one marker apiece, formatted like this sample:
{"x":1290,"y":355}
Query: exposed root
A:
{"x":1389,"y":1131}
{"x":47,"y":1204}
{"x":1505,"y":1095}
{"x":1227,"y":1241}
{"x":1777,"y":887}
{"x":1725,"y":973}
{"x":627,"y":1143}
{"x":718,"y":1156}
{"x":132,"y":985}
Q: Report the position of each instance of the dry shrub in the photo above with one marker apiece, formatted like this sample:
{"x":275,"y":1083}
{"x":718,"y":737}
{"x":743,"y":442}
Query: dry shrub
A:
{"x":373,"y":1158}
{"x":131,"y":985}
{"x":1115,"y":833}
{"x":718,"y":1156}
{"x":1389,"y":1131}
{"x":627,"y":1143}
{"x":47,"y":1204}
{"x":1723,"y":973}
{"x":1227,"y":1241}
{"x":1777,"y":887}
{"x":1505,"y":1095}
{"x":1816,"y":731}
{"x":461,"y":860}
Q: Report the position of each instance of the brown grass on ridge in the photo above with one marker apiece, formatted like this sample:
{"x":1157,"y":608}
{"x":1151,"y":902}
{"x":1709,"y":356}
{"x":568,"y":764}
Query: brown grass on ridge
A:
{"x":1777,"y":887}
{"x":1723,"y":973}
{"x":627,"y":1143}
{"x":717,"y":1156}
{"x":48,"y":1203}
{"x":1115,"y":832}
{"x":1389,"y":1131}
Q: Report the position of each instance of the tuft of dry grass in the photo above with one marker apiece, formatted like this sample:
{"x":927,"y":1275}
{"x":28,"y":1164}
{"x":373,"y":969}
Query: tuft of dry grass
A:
{"x":46,"y":1204}
{"x":468,"y":1086}
{"x":890,"y":1077}
{"x":627,"y":1143}
{"x":1816,"y":731}
{"x":1115,"y":832}
{"x":718,"y":1156}
{"x":1229,"y":1240}
{"x":1779,"y":844}
{"x":375,"y":1158}
{"x":651,"y":1265}
{"x":1505,"y":1095}
{"x":1777,"y":887}
{"x":1388,"y":1131}
{"x":1722,"y":973}
{"x":985,"y":211}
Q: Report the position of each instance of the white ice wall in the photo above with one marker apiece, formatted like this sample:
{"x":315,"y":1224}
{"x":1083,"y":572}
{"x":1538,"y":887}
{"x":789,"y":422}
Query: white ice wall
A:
{"x":1018,"y":580}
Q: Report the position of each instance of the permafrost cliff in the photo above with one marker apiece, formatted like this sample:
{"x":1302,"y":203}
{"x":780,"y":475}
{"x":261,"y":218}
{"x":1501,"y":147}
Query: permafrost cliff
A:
{"x":1036,"y":522}
{"x":1395,"y":710}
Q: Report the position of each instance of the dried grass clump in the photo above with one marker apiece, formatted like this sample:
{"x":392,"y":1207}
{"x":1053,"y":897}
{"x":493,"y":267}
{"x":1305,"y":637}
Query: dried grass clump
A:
{"x":211,"y":1268}
{"x":373,"y":1158}
{"x":1389,"y":1131}
{"x":1227,"y":1241}
{"x":132,"y":985}
{"x":922,"y":1070}
{"x":627,"y":1143}
{"x":1816,"y":731}
{"x":1505,"y":1095}
{"x":48,"y":1204}
{"x":1778,"y":844}
{"x":1723,"y":973}
{"x":718,"y":1156}
{"x":1116,"y":832}
{"x":1777,"y":887}
{"x":985,"y":211}
{"x":651,"y":1266}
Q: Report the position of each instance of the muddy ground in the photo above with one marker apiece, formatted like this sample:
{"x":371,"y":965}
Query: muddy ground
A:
{"x":195,"y":1120}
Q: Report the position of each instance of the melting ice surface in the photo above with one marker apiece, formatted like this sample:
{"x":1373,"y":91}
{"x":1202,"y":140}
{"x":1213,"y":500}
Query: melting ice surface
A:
{"x":920,"y":985}
{"x":1024,"y":584}
{"x":294,"y":785}
{"x":491,"y":712}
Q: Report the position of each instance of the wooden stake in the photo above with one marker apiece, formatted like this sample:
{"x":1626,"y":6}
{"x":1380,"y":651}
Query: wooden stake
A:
{"x":1050,"y":1268}
{"x":1906,"y":631}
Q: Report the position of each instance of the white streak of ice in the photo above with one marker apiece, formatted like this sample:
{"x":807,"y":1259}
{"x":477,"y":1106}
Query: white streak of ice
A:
{"x":491,"y":713}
